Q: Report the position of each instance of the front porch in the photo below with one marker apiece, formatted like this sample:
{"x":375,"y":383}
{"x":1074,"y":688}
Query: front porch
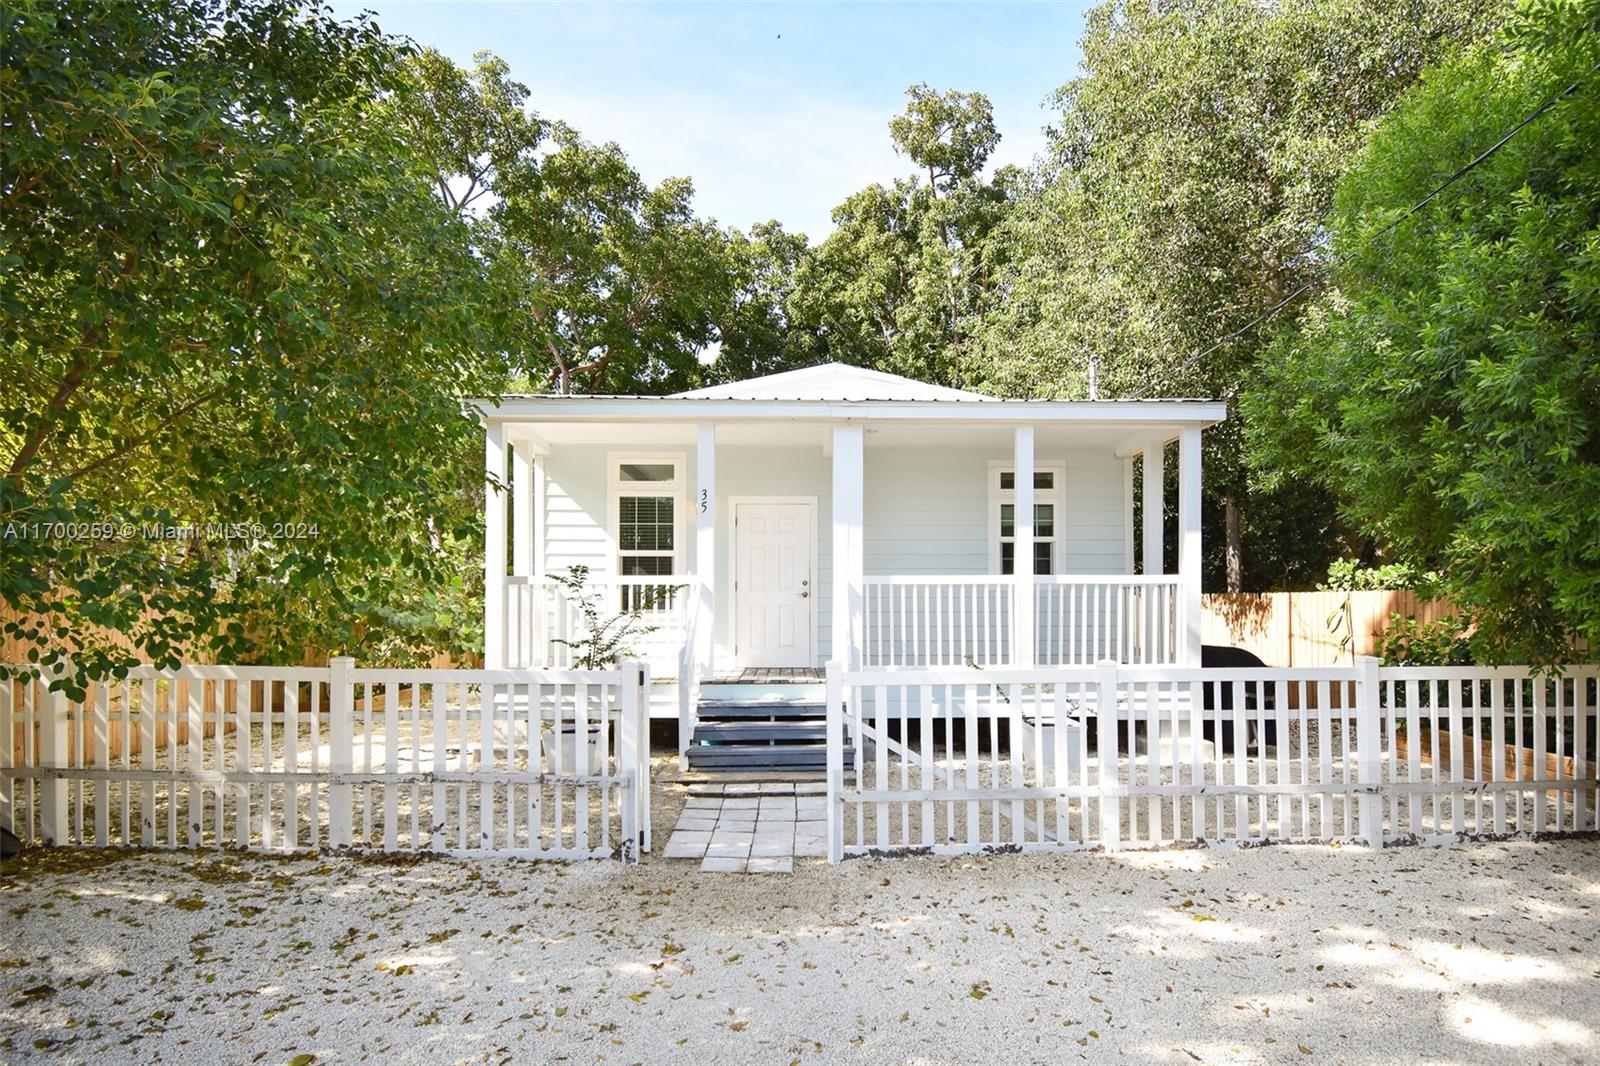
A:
{"x":835,"y":514}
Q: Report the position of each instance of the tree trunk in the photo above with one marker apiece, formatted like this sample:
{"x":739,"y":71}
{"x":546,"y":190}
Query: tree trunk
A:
{"x":1234,"y":551}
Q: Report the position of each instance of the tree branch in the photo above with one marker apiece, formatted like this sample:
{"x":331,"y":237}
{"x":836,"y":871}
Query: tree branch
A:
{"x":71,"y":382}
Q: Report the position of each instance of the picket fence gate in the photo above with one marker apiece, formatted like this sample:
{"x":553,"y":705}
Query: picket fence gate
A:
{"x":520,"y":763}
{"x":955,"y":760}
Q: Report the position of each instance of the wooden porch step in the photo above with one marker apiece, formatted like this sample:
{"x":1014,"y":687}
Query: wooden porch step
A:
{"x":788,"y":732}
{"x":780,"y":708}
{"x":755,"y":757}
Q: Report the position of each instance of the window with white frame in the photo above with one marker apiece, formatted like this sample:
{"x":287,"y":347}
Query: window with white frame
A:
{"x":1048,"y":504}
{"x":646,"y":508}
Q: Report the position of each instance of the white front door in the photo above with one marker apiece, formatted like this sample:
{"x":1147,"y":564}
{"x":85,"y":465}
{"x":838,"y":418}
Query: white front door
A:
{"x":774,"y":591}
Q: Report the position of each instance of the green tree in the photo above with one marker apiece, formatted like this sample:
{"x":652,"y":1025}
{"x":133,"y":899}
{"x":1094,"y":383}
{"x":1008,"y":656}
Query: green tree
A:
{"x":230,"y":296}
{"x":618,"y":285}
{"x":908,"y":264}
{"x":757,"y":334}
{"x":1191,"y":168}
{"x":612,"y":285}
{"x":1448,"y":387}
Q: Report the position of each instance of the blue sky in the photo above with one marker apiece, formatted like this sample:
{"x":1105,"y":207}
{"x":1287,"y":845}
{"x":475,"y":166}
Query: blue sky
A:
{"x":774,"y":110}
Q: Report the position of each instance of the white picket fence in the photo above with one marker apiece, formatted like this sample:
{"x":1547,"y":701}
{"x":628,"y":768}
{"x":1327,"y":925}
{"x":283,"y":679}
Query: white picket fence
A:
{"x":528,"y":763}
{"x":964,"y":760}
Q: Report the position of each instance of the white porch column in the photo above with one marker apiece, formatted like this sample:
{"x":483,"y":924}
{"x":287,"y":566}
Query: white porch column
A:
{"x":541,"y":535}
{"x":1154,"y":493}
{"x":1189,"y":545}
{"x":1127,"y":516}
{"x":704,"y":506}
{"x":522,"y":516}
{"x":494,"y":545}
{"x":1023,"y":640}
{"x":849,"y":564}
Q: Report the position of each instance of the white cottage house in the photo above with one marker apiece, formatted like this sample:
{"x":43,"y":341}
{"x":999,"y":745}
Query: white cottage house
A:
{"x":766,"y":527}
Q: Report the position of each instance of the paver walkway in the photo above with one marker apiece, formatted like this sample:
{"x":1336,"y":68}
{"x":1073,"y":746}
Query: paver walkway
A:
{"x":757,"y":827}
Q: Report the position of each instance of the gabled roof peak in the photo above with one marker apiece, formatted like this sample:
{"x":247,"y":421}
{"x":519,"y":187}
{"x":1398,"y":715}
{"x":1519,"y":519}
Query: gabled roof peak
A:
{"x":832,"y":381}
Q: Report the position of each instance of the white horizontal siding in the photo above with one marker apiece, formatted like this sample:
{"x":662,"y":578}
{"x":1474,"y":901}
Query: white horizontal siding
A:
{"x":1092,"y":537}
{"x":926,"y":511}
{"x":575,"y":510}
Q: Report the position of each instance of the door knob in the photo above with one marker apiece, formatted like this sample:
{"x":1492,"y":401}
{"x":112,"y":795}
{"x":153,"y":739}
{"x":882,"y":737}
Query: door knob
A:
{"x":803,"y":595}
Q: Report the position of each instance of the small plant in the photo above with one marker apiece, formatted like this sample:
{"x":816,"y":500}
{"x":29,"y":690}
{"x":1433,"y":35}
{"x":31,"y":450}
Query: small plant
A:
{"x":1445,"y":641}
{"x":604,"y":637}
{"x":1347,"y":575}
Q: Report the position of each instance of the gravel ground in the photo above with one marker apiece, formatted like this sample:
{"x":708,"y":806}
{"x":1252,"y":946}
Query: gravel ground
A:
{"x":1470,"y":953}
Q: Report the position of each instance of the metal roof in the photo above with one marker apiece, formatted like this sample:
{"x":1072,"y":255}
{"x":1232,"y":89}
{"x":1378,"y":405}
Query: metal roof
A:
{"x":834,"y":391}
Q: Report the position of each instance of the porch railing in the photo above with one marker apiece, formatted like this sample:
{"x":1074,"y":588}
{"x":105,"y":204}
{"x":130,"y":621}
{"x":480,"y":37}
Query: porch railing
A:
{"x":962,"y":620}
{"x":949,"y":620}
{"x":543,"y":620}
{"x":1130,"y":619}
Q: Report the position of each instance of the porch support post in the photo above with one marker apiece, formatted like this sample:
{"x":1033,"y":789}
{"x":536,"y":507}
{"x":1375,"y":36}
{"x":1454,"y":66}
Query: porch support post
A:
{"x":704,"y":506}
{"x":494,"y":545}
{"x":1127,"y":516}
{"x":522,"y":509}
{"x":1023,"y":642}
{"x":1189,"y":545}
{"x":1154,"y":504}
{"x":541,"y":536}
{"x":849,"y":563}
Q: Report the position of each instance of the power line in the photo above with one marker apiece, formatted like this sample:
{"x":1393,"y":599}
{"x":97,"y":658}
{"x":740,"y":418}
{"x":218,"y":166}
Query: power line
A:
{"x":1460,"y":173}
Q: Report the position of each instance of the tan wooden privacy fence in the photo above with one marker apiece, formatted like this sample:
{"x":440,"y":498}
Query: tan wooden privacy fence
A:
{"x":535,"y":763}
{"x":1293,"y":628}
{"x":963,"y":760}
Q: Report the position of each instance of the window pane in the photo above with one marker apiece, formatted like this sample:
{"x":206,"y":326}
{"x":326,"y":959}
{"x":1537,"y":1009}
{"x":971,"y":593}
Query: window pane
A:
{"x":1008,"y":520}
{"x":1044,"y":520}
{"x":1042,"y":479}
{"x":1041,"y":557}
{"x":644,"y":523}
{"x":1008,"y":557}
{"x":647,"y":566}
{"x":647,"y":471}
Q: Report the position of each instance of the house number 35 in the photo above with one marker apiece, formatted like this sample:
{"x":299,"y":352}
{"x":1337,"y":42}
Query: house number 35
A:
{"x":703,"y":504}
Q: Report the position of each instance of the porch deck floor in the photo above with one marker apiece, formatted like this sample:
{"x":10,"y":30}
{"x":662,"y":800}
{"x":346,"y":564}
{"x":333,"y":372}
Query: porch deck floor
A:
{"x":781,"y":675}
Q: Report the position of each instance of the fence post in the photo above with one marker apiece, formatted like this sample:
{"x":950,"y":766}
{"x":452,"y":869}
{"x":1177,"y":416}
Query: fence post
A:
{"x":836,"y":760}
{"x":633,"y":752}
{"x":54,"y":754}
{"x":1105,"y":720}
{"x":341,"y":743}
{"x":1369,"y":751}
